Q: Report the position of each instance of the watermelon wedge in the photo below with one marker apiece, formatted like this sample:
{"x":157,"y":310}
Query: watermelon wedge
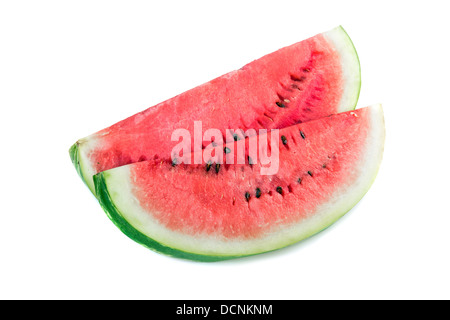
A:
{"x":207,"y":212}
{"x":305,"y":81}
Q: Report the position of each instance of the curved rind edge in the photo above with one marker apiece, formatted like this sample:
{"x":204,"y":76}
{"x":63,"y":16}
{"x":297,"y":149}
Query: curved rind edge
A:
{"x":350,"y":64}
{"x":81,"y":164}
{"x":358,"y":91}
{"x":74,"y":156}
{"x":115,"y":216}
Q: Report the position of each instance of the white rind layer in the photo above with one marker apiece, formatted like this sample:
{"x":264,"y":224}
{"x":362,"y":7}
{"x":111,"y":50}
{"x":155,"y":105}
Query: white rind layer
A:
{"x":344,"y":198}
{"x":87,"y":171}
{"x":351,"y":71}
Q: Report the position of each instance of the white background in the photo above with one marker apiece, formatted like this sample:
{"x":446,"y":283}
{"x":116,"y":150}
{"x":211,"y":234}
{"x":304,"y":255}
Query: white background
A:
{"x":70,"y":68}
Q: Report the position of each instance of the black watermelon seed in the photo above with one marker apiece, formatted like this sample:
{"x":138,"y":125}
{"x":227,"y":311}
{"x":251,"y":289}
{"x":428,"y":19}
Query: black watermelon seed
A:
{"x":310,"y":173}
{"x":250,"y":161}
{"x":299,"y":180}
{"x":280,"y":190}
{"x":280,"y":104}
{"x":299,"y":79}
{"x":284,"y":140}
{"x":208,"y":166}
{"x":174,"y":162}
{"x":258,"y":192}
{"x":235,"y":137}
{"x":247,"y":196}
{"x":302,"y":134}
{"x":226,"y":150}
{"x":217,"y":167}
{"x":324,"y":165}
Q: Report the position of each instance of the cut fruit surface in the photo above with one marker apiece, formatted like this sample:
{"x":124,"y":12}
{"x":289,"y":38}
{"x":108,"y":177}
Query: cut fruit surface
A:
{"x":302,"y":82}
{"x":207,"y":213}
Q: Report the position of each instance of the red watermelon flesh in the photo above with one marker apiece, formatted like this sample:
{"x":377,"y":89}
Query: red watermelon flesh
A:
{"x":204,"y":212}
{"x":302,"y":82}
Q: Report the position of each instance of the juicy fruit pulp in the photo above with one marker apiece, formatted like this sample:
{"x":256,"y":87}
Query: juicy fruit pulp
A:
{"x":326,"y":166}
{"x":328,"y":156}
{"x":305,"y":81}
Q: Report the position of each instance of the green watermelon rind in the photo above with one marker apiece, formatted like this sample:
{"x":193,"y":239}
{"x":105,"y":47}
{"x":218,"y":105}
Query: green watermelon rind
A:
{"x":81,"y":162}
{"x":77,"y":161}
{"x":369,"y":170}
{"x":116,"y":217}
{"x":74,"y":156}
{"x":350,"y":65}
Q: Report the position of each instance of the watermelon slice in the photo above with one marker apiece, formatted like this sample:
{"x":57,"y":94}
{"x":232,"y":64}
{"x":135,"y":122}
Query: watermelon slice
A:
{"x":302,"y":82}
{"x":207,"y":212}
